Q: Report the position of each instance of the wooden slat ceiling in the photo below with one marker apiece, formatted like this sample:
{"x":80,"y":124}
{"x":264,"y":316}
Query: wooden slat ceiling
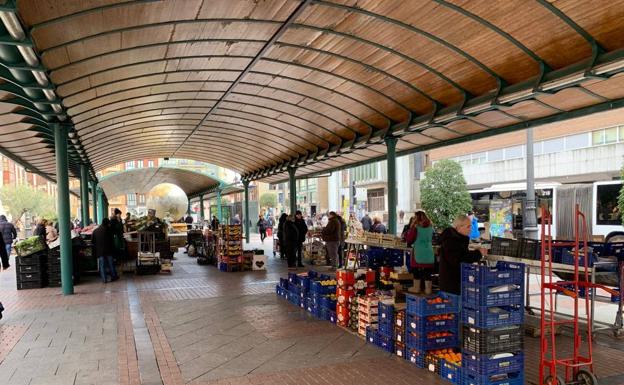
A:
{"x":141,"y":181}
{"x":256,"y":85}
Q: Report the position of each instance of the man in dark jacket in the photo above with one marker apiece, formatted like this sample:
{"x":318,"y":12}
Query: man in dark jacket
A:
{"x":214,"y":224}
{"x":454,"y":251}
{"x":102,"y":240}
{"x":331,"y":236}
{"x":290,"y":240}
{"x":367,"y":223}
{"x":280,"y":233}
{"x":302,"y":229}
{"x":8,"y":233}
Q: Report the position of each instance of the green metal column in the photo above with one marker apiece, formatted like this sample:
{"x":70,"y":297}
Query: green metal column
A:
{"x":292,"y":184}
{"x":246,"y":212}
{"x":219,"y":208}
{"x":100,"y":195}
{"x":392,"y":197}
{"x":95,"y":201}
{"x":201,"y":208}
{"x":62,"y":181}
{"x":105,"y":206}
{"x":84,"y":194}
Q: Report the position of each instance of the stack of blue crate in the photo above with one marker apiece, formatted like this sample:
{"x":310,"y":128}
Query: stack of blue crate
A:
{"x":492,"y":317}
{"x":431,"y":324}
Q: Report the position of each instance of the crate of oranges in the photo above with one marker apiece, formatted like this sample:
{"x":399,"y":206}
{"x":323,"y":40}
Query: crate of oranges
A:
{"x":435,"y":359}
{"x":442,"y":303}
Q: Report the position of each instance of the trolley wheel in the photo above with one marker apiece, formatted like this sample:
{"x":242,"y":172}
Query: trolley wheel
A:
{"x":585,"y":377}
{"x":550,"y":380}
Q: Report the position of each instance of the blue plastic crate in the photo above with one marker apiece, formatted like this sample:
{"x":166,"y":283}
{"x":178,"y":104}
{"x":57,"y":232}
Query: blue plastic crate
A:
{"x":423,"y":342}
{"x":385,"y":342}
{"x":284,"y":283}
{"x":415,"y":357}
{"x":385,"y":329}
{"x":293,"y":278}
{"x":501,"y":274}
{"x":304,"y":282}
{"x":488,"y":364}
{"x":418,"y":305}
{"x":478,"y":295}
{"x":386,"y":312}
{"x":425,"y":324}
{"x":332,"y":316}
{"x":450,"y":371}
{"x":312,"y":274}
{"x":567,"y":258}
{"x":317,"y":288}
{"x":327,"y":302}
{"x":468,"y":377}
{"x":489,"y":317}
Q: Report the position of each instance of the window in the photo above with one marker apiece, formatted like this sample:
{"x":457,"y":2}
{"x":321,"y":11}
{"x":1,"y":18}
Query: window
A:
{"x":553,"y":145}
{"x":621,"y":133}
{"x":139,"y":163}
{"x":495,"y":155}
{"x":131,"y":199}
{"x":538,"y":148}
{"x":479,"y":158}
{"x":129,"y":165}
{"x":514,"y":152}
{"x":376,"y":200}
{"x":604,"y":136}
{"x":607,"y":212}
{"x":150,"y":163}
{"x":142,"y":198}
{"x":574,"y":142}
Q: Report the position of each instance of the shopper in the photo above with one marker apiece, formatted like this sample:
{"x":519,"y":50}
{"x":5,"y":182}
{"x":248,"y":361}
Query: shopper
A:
{"x":422,"y":261}
{"x":4,"y":257}
{"x":102,"y":240}
{"x":280,"y":233}
{"x":366,"y":222}
{"x":262,"y":225}
{"x":343,"y":237}
{"x":40,"y":229}
{"x":378,"y":227}
{"x":51,"y":232}
{"x":454,"y":251}
{"x":474,"y":227}
{"x":9,"y":233}
{"x":189,"y":221}
{"x":290,"y":240}
{"x":117,"y":229}
{"x":214,"y":224}
{"x":302,"y":230}
{"x":331,"y":236}
{"x":236,"y":220}
{"x":409,"y":231}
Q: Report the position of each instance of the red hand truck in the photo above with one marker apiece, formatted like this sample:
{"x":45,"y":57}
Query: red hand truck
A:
{"x":578,"y":368}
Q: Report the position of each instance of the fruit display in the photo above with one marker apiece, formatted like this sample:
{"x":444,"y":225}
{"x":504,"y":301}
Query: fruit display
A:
{"x":448,"y":354}
{"x":30,"y":246}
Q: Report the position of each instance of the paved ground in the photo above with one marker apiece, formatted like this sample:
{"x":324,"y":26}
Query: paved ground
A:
{"x":200,"y":326}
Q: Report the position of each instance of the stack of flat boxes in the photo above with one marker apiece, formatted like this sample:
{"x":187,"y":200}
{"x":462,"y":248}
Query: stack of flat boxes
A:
{"x":368,"y":309}
{"x":345,"y":295}
{"x":432,"y":323}
{"x":54,"y":267}
{"x":30,"y":270}
{"x":492,"y":318}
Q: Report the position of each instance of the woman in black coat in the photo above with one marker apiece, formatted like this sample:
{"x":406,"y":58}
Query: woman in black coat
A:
{"x":290,"y":240}
{"x":280,"y":233}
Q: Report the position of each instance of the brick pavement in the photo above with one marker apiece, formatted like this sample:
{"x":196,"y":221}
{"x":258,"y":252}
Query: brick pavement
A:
{"x":203,"y":327}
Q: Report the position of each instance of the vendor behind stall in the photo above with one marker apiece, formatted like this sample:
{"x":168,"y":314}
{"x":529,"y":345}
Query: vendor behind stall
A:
{"x":454,"y":251}
{"x":117,"y":230}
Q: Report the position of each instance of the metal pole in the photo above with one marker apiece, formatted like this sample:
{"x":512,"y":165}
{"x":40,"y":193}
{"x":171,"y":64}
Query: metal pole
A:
{"x":105,"y":207}
{"x":292,"y":184}
{"x":201,"y":207}
{"x":219,"y":206}
{"x":392,"y":197}
{"x":246,"y":212}
{"x":530,"y":219}
{"x":100,"y":198}
{"x":84,"y":195}
{"x":94,"y":191}
{"x":62,"y":180}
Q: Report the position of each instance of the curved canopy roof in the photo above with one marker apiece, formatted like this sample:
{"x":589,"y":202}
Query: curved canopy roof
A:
{"x":262,"y":86}
{"x":142,"y":180}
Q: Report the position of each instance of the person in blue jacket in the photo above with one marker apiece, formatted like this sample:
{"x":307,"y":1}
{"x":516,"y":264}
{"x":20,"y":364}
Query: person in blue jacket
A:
{"x":474,"y":227}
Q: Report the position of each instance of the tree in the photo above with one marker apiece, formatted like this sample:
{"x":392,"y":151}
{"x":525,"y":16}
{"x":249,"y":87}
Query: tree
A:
{"x":444,"y":194}
{"x":19,"y":199}
{"x":268,"y":200}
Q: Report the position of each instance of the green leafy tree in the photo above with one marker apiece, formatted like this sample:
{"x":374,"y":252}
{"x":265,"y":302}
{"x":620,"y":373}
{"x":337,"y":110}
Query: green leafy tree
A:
{"x":20,"y":199}
{"x":444,"y":194}
{"x":268,"y":200}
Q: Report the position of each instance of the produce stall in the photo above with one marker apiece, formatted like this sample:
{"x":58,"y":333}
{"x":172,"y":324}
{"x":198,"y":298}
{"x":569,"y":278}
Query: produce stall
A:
{"x":314,"y":251}
{"x":374,"y":250}
{"x":425,"y":330}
